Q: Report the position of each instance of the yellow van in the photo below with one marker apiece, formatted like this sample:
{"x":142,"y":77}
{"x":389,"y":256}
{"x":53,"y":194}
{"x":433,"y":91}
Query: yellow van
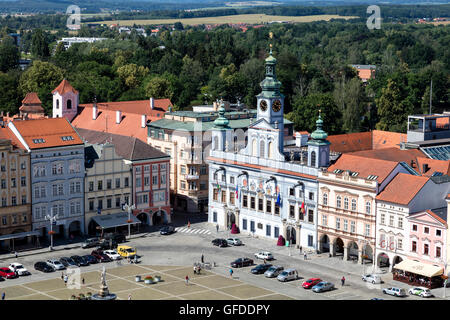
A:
{"x":126,"y":251}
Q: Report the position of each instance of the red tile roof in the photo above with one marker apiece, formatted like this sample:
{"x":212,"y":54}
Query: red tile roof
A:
{"x":366,"y":74}
{"x":386,"y":139}
{"x":350,"y":142}
{"x":408,"y":184}
{"x":5,"y":133}
{"x":64,"y":87}
{"x":50,"y":130}
{"x":364,"y":166}
{"x":31,"y":98}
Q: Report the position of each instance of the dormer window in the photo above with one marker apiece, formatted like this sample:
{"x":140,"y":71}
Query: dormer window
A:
{"x":38,"y":141}
{"x":66,"y":138}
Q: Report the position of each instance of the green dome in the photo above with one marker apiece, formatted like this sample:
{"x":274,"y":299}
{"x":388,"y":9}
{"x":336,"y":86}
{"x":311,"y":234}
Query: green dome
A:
{"x":319,"y":134}
{"x":270,"y":59}
{"x":221,"y":122}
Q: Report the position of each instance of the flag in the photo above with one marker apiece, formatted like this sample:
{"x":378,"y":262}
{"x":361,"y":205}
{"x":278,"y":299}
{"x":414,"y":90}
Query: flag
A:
{"x":218,"y":187}
{"x":278,"y":199}
{"x":237,"y":192}
{"x":303,"y":207}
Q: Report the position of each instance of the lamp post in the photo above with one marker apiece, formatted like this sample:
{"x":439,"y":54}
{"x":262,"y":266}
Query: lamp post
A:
{"x":52,"y":218}
{"x":129,"y":209}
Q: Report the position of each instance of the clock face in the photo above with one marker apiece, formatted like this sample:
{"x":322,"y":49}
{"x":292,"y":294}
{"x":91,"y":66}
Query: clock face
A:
{"x":276,"y":106}
{"x":263,"y":105}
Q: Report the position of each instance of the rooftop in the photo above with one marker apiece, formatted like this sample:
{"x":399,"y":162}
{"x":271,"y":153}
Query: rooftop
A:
{"x":64,"y":87}
{"x":409,"y":185}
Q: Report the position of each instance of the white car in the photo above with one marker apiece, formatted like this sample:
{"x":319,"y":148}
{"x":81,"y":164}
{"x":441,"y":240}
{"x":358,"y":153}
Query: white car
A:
{"x":56,"y":264}
{"x":372,"y":278}
{"x":234,"y":242}
{"x":112,"y":254}
{"x":421,"y":292}
{"x":264,"y":255}
{"x":393,"y":291}
{"x":19,"y":268}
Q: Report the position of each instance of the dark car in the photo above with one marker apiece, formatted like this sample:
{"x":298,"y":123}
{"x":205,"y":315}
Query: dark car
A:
{"x":90,"y":259}
{"x":220,"y":243}
{"x":90,"y":243}
{"x":167,"y":230}
{"x":43,"y":266}
{"x":101,"y":257}
{"x":241,"y":262}
{"x":116,"y":237}
{"x":80,"y":261}
{"x":7,"y":273}
{"x":68,"y":262}
{"x":260,"y":268}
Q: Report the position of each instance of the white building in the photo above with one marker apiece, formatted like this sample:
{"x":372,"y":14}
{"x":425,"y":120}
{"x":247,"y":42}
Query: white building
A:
{"x":68,"y":42}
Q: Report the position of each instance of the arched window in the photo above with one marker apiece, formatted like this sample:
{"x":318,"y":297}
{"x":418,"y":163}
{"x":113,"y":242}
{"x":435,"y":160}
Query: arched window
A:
{"x":69,"y":104}
{"x":368,"y":207}
{"x":346,"y":203}
{"x":325,"y":199}
{"x":254,"y":148}
{"x":353,"y":205}
{"x":262,"y":153}
{"x":216,"y":143}
{"x":313,"y":158}
{"x":57,"y":104}
{"x":270,"y":150}
{"x":338,"y":201}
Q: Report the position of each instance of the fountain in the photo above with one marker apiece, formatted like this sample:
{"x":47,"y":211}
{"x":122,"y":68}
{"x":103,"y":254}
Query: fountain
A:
{"x":104,"y":292}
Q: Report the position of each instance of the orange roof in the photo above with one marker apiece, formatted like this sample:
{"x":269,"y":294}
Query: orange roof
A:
{"x":364,"y":166}
{"x":350,"y":142}
{"x":409,"y":185}
{"x":31,"y":98}
{"x":64,"y":87}
{"x":6,"y":133}
{"x":138,"y":107}
{"x":50,"y":132}
{"x":386,"y":139}
{"x":434,"y":165}
{"x":365,"y":74}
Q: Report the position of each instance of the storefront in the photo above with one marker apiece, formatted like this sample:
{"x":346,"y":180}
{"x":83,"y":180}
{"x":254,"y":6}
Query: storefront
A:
{"x":418,"y":274}
{"x":117,"y":222}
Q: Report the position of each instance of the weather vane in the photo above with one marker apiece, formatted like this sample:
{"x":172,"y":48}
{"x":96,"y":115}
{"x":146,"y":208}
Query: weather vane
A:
{"x":270,"y":45}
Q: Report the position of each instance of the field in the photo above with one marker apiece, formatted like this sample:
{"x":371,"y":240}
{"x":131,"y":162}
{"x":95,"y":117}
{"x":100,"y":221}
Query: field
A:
{"x":241,"y":18}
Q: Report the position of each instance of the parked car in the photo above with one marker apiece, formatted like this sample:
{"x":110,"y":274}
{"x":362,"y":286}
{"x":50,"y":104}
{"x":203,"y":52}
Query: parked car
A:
{"x":7,"y":273}
{"x":220,"y":242}
{"x":80,"y":261}
{"x":56,"y":264}
{"x":166,"y":230}
{"x":421,"y":292}
{"x":308,"y":284}
{"x":323,"y":286}
{"x":287,"y":275}
{"x":105,"y":244}
{"x":43,"y":266}
{"x":101,"y":257}
{"x":264,"y":255}
{"x":273,"y":271}
{"x":90,"y":259}
{"x":90,"y":243}
{"x":112,"y":254}
{"x":234,"y":241}
{"x":126,"y":251}
{"x":241,"y":262}
{"x":116,"y":237}
{"x":19,"y":269}
{"x":372,"y":278}
{"x":393,"y":291}
{"x":68,"y":262}
{"x":260,"y":268}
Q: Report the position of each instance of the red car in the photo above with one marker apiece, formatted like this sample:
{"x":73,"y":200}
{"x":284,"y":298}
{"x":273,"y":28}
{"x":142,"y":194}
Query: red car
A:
{"x":7,"y":273}
{"x":308,"y":284}
{"x":100,"y":256}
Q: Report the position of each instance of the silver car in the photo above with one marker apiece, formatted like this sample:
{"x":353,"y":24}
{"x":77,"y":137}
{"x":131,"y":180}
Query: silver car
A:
{"x":323,"y":286}
{"x":288,"y":274}
{"x":234,"y":242}
{"x":273,"y":271}
{"x":372,"y":278}
{"x":393,"y":291}
{"x":56,"y":264}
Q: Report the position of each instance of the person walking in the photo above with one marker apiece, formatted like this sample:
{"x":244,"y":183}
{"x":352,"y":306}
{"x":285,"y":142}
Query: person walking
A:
{"x":343,"y":281}
{"x":300,"y":249}
{"x":187,"y":280}
{"x":3,"y":296}
{"x":82,"y":281}
{"x":189,"y":224}
{"x":129,"y":296}
{"x":62,"y":276}
{"x":217,"y":228}
{"x":65,"y":279}
{"x":15,"y":253}
{"x":231,"y":273}
{"x":203,"y":258}
{"x":305,"y":257}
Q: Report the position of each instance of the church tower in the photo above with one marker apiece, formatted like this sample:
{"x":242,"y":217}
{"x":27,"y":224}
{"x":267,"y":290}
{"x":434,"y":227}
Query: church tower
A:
{"x":319,"y":147}
{"x":221,"y":132}
{"x":270,"y":102}
{"x":65,"y":101}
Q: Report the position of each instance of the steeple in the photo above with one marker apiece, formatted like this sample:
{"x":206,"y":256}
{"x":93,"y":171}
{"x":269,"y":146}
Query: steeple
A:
{"x":270,"y":85}
{"x":319,"y":136}
{"x":221,"y":123}
{"x":319,"y":146}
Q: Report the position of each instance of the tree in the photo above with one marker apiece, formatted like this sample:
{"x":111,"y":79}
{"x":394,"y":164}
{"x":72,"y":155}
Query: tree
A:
{"x":349,"y":96}
{"x":42,"y":77}
{"x":9,"y":54}
{"x":132,"y":74}
{"x":178,"y":26}
{"x":9,"y":96}
{"x":39,"y":44}
{"x":159,"y":88}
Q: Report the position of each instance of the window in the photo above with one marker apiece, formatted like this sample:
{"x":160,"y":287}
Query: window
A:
{"x":183,"y":170}
{"x":108,"y":184}
{"x":276,"y":232}
{"x":4,"y":220}
{"x":117,"y":182}
{"x":100,"y":185}
{"x":345,"y":224}
{"x":352,"y":227}
{"x":382,"y":218}
{"x":311,"y":216}
{"x":214,"y":216}
{"x":154,"y":180}
{"x":13,"y":201}
{"x":203,"y":171}
{"x":245,"y":201}
{"x":269,"y":206}
{"x":346,"y":203}
{"x":292,"y":192}
{"x":252,"y":202}
{"x":338,"y":223}
{"x":126,"y":183}
{"x":277,"y":209}
{"x":400,"y":244}
{"x":23,"y":181}
{"x":425,"y":249}
{"x":3,"y":184}
{"x":414,"y":246}
{"x":3,"y":202}
{"x":100,"y":204}
{"x":163,"y":179}
{"x":224,"y":196}
{"x":262,"y":152}
{"x":109,"y":203}
{"x":24,"y":199}
{"x":438,"y":252}
{"x":414,"y":227}
{"x":260,"y":204}
{"x":232,"y":197}
{"x":391,"y":220}
{"x":91,"y":205}
{"x":13,"y":182}
{"x":368,"y":207}
{"x":202,"y":185}
{"x":183,"y":185}
{"x":215,"y":194}
{"x":400,"y":222}
{"x":117,"y":202}
{"x":292,"y":211}
{"x":138,"y":182}
{"x":438,"y":233}
{"x":426,"y":230}
{"x":325,"y":199}
{"x":244,"y":224}
{"x":268,"y":229}
{"x":232,"y":180}
{"x":338,"y":201}
{"x":313,"y":158}
{"x":311,"y":196}
{"x":91,"y":185}
{"x":353,"y":204}
{"x":367,"y":230}
{"x":324,"y":220}
{"x":310,"y":240}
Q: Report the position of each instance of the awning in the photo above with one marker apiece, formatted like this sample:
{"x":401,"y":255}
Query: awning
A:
{"x":115,"y":220}
{"x":419,"y":268}
{"x":19,"y":235}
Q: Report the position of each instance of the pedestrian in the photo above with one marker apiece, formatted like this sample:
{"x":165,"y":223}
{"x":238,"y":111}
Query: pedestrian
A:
{"x":189,"y":224}
{"x":65,"y":279}
{"x":217,"y":228}
{"x":343,"y":281}
{"x":3,"y":296}
{"x":300,"y":249}
{"x":129,"y":296}
{"x":203,"y":259}
{"x":187,"y":280}
{"x":82,"y":281}
{"x":305,"y":257}
{"x":15,"y":253}
{"x":231,"y":273}
{"x":62,"y":275}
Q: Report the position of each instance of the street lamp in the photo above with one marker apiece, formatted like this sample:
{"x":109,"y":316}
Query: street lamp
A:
{"x":52,"y":218}
{"x":129,"y":209}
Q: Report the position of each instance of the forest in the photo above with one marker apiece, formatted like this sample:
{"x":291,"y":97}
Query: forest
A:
{"x":192,"y":66}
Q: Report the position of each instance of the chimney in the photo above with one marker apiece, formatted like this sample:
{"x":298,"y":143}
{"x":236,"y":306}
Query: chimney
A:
{"x":118,"y":116}
{"x":424,"y":167}
{"x":152,"y":103}
{"x":94,"y":112}
{"x":143,"y":121}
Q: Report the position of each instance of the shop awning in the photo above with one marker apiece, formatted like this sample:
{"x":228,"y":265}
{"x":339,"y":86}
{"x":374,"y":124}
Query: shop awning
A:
{"x":419,"y":268}
{"x":19,"y":235}
{"x":115,"y":220}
